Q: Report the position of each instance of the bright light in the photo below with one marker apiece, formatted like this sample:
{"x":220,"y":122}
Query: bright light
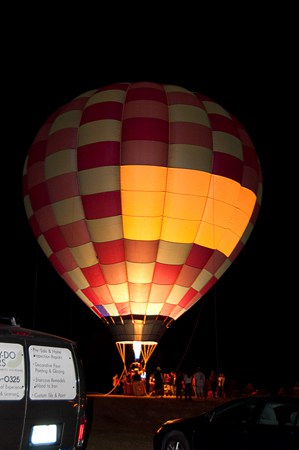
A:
{"x":137,"y":349}
{"x":44,"y":434}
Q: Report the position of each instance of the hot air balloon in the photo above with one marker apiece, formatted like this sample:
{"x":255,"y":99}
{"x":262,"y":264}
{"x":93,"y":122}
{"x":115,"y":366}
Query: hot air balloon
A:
{"x":141,"y":195}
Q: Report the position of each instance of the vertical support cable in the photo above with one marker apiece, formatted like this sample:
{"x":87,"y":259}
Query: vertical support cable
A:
{"x":214,"y":288}
{"x":216,"y":332}
{"x":35,"y":286}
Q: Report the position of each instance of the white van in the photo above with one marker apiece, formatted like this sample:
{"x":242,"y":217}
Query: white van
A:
{"x":43,"y":400}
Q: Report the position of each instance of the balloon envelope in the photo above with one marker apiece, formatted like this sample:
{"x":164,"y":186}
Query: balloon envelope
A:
{"x":141,"y":195}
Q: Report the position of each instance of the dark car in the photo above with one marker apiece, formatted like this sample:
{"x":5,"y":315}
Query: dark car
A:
{"x":246,"y":423}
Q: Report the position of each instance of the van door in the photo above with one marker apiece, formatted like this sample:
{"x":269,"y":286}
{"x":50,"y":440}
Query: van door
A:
{"x":53,"y":398}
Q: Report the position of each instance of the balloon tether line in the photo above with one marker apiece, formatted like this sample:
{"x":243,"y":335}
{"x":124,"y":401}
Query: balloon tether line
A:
{"x":191,"y":336}
{"x":214,"y":289}
{"x":216,"y":334}
{"x":124,"y":372}
{"x":35,"y":284}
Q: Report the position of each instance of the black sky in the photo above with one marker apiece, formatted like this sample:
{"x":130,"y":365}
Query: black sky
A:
{"x":248,"y":324}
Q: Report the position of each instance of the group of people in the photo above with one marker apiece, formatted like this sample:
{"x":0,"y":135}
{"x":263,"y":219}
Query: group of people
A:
{"x":132,"y":382}
{"x":181,"y":384}
{"x":191,"y":384}
{"x":187,"y":384}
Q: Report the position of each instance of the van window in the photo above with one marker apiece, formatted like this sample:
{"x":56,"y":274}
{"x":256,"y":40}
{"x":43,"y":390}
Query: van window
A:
{"x":12,"y":371}
{"x":53,"y":375}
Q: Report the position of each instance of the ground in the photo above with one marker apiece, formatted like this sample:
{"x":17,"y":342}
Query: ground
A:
{"x":128,"y":422}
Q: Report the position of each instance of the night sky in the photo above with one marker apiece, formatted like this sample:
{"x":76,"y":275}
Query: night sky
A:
{"x":247,"y":324}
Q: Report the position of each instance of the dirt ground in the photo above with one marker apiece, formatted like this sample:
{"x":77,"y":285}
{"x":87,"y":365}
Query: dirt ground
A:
{"x":128,"y":422}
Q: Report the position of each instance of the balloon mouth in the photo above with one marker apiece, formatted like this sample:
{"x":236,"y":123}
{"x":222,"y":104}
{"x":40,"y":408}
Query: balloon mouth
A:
{"x":136,"y":330}
{"x":142,"y":350}
{"x":142,"y":335}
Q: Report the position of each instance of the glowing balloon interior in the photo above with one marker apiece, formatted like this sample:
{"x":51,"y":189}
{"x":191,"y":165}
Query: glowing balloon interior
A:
{"x":141,"y":195}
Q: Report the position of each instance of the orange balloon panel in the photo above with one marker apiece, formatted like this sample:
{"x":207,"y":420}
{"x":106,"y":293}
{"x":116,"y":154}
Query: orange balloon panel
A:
{"x":141,"y":195}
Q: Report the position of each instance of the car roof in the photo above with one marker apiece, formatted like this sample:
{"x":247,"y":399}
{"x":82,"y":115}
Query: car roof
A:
{"x":257,"y":399}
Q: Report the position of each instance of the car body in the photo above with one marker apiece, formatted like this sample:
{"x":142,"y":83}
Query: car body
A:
{"x":246,"y":423}
{"x":43,"y":399}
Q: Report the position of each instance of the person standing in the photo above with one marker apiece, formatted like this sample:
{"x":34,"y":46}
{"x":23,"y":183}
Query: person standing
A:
{"x":214,"y":382}
{"x":188,"y":385}
{"x":159,"y":385}
{"x":199,"y":377}
{"x":221,"y":382}
{"x":115,"y":382}
{"x":179,"y":381}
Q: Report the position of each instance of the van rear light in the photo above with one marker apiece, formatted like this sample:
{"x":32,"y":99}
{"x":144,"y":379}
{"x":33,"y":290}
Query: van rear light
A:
{"x":81,"y":432}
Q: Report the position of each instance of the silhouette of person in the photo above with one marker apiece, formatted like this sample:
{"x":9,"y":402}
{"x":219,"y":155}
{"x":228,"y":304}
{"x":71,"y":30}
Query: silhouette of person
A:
{"x":188,"y":385}
{"x":214,"y":382}
{"x":159,"y":390}
{"x":179,"y":380}
{"x":199,"y":377}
